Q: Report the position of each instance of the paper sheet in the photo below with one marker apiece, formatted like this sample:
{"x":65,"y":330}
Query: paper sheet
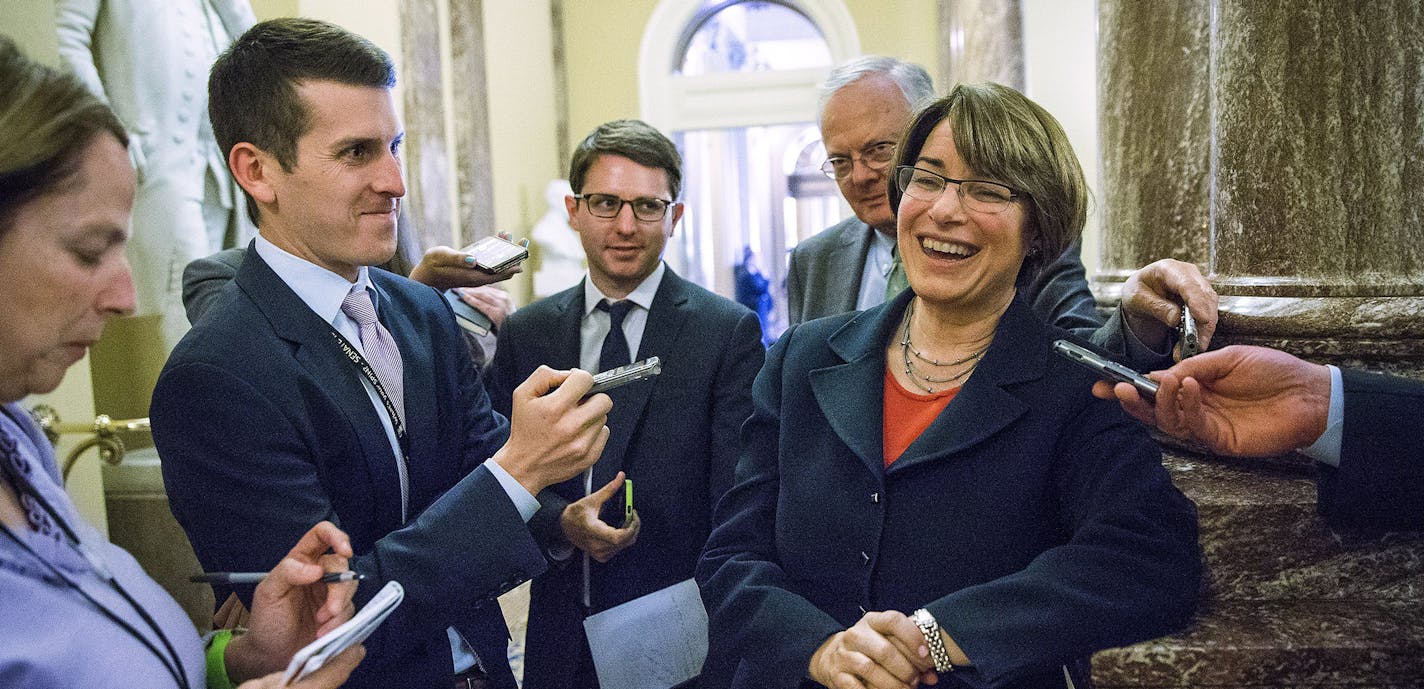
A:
{"x":653,"y":642}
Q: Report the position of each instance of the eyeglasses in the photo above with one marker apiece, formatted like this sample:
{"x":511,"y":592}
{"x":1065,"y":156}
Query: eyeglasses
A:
{"x":975,"y":194}
{"x":646,"y":209}
{"x":876,"y":158}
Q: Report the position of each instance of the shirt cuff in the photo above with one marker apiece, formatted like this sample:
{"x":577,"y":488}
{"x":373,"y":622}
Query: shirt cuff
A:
{"x":1136,"y":349}
{"x":523,"y":501}
{"x":1326,"y":448}
{"x":215,"y":659}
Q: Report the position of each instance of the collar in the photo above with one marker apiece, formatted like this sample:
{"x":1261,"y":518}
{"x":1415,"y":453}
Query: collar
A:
{"x":642,"y":295}
{"x":320,"y":289}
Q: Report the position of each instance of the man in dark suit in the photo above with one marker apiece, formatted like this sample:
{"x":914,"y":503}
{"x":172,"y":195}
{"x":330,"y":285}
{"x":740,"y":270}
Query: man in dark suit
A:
{"x":674,"y":436}
{"x":1255,"y":402}
{"x":319,"y":388}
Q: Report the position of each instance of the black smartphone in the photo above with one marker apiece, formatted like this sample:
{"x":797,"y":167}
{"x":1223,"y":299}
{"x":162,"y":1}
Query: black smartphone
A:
{"x":638,"y":370}
{"x":1187,"y":333}
{"x":495,"y":254}
{"x":1106,"y":368}
{"x":469,"y":317}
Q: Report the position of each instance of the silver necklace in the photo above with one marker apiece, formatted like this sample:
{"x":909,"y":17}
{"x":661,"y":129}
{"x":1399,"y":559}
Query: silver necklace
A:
{"x":922,"y":380}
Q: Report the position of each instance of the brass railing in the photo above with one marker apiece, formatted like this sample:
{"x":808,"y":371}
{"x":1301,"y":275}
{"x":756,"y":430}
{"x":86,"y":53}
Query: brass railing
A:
{"x":105,"y":433}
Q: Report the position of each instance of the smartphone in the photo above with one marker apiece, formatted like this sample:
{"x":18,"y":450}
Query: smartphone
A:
{"x":1187,"y":333}
{"x":1107,"y":368}
{"x":612,"y":378}
{"x":495,"y":254}
{"x":469,"y":317}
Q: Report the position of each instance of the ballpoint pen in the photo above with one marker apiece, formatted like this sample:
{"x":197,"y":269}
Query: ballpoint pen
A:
{"x":257,"y":577}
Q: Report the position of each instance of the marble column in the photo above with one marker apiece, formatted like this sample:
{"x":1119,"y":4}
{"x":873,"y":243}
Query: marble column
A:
{"x":431,"y":169}
{"x":1280,"y":147}
{"x":428,"y":173}
{"x":980,"y":40}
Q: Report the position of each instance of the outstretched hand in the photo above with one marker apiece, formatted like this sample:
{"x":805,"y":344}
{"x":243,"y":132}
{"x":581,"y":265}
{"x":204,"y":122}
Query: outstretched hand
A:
{"x":1152,"y":298}
{"x":1240,"y":400}
{"x":588,"y":533}
{"x":445,"y":268}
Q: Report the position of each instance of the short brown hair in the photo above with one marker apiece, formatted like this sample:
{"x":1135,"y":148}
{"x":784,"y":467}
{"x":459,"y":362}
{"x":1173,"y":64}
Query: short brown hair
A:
{"x":635,"y":140}
{"x":252,"y":90}
{"x":1003,"y":135}
{"x":47,"y":120}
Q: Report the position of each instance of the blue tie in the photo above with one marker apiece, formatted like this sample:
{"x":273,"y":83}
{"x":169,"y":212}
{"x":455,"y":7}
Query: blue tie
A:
{"x":615,"y":345}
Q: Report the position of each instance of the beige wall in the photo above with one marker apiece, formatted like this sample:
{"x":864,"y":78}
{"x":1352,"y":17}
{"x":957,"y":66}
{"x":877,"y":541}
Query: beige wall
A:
{"x":603,"y":39}
{"x":523,"y":123}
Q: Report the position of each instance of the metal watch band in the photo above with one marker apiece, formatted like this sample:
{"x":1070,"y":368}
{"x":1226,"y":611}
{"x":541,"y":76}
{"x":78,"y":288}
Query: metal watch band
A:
{"x":930,"y":628}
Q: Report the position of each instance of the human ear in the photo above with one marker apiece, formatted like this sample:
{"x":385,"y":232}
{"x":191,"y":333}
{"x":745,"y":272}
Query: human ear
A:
{"x":253,"y":168}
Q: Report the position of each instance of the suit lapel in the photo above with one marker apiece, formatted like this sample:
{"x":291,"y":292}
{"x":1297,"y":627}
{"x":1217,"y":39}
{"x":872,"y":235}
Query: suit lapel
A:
{"x":562,"y":350}
{"x":851,"y":394}
{"x":849,"y":260}
{"x":316,"y":352}
{"x":983,"y":407}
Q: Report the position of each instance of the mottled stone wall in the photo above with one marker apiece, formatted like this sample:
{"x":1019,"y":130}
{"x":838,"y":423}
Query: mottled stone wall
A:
{"x":980,"y":40}
{"x":1279,"y":146}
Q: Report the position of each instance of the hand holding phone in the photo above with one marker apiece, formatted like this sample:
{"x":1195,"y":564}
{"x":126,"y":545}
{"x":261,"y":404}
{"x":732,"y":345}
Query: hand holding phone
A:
{"x":1106,"y":368}
{"x":496,"y":254}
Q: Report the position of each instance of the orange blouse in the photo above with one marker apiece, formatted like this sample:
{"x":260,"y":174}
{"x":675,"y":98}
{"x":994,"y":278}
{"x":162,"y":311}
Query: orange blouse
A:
{"x":908,"y":414}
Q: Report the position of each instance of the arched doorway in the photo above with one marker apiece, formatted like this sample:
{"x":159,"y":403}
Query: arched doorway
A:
{"x":734,"y":83}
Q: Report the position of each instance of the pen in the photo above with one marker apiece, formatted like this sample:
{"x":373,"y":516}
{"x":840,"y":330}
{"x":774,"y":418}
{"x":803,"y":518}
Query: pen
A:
{"x":257,"y":577}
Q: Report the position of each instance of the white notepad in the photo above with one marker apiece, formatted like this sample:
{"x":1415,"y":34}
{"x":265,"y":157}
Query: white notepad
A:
{"x":352,"y":632}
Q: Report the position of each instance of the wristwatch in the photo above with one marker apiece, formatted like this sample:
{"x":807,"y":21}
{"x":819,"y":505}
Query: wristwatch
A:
{"x":930,"y":628}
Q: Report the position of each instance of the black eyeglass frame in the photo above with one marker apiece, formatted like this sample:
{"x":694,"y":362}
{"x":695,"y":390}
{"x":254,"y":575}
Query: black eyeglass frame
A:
{"x":667,"y":203}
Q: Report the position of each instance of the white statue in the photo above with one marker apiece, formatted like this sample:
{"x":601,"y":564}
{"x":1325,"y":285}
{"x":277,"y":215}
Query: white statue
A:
{"x":560,"y":253}
{"x":149,"y":60}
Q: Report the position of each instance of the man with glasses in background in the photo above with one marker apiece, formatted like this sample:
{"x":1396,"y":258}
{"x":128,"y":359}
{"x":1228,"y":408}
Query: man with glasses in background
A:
{"x":674,"y":436}
{"x":852,"y":265}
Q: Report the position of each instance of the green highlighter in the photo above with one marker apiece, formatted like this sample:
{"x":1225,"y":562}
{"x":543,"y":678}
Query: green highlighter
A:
{"x":627,"y":501}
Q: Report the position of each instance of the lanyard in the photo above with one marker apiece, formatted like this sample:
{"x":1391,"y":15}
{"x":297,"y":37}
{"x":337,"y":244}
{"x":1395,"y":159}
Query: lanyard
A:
{"x":403,"y":461}
{"x":171,"y":661}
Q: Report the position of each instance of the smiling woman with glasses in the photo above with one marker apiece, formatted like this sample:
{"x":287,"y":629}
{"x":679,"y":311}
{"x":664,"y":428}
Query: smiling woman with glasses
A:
{"x":989,"y":510}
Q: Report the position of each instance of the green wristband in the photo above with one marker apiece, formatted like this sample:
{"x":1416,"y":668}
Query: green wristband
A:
{"x":217,"y":661}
